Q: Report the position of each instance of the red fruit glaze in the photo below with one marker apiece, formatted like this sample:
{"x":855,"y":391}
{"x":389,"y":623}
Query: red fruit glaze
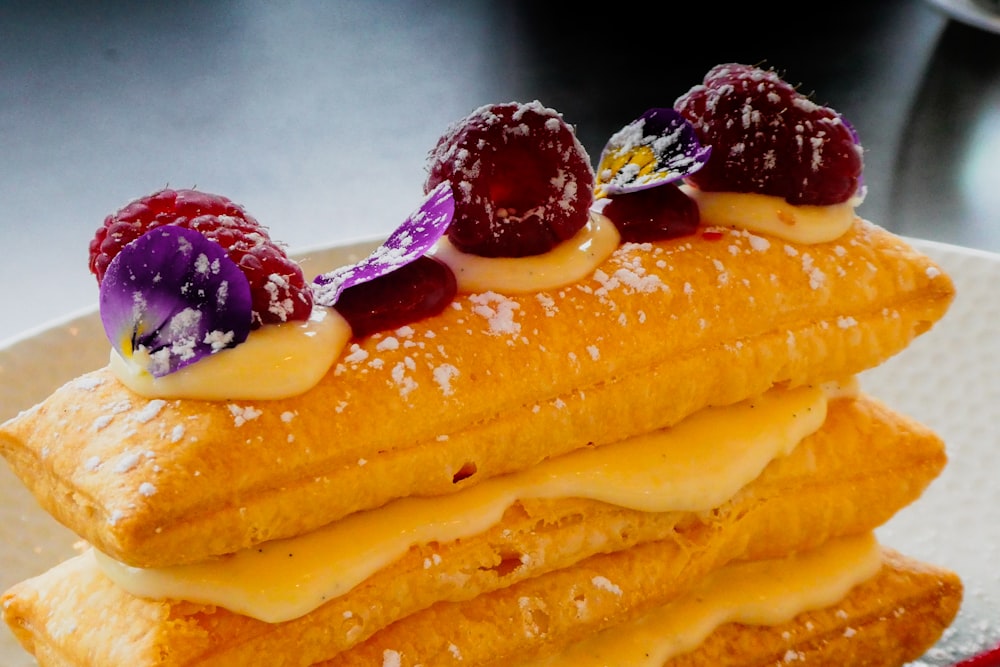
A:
{"x":767,"y":138}
{"x":990,"y":658}
{"x":654,"y":214}
{"x":277,"y":285}
{"x":412,"y":292}
{"x":522,"y":181}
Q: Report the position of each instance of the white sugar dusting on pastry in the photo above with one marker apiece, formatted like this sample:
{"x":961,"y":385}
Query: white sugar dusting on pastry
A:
{"x":102,"y":422}
{"x":127,"y":461}
{"x":241,"y":415}
{"x":150,"y":411}
{"x":816,"y":277}
{"x":443,"y":375}
{"x":604,"y":584}
{"x":388,"y":343}
{"x":548,"y":304}
{"x":498,"y":310}
{"x":88,"y":382}
{"x":723,"y":276}
{"x":391,"y":658}
{"x":399,"y":375}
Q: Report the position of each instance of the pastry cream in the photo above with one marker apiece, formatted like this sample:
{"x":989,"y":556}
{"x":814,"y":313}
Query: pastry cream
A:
{"x":276,"y":361}
{"x":694,"y":466}
{"x":767,"y":592}
{"x":570,"y":261}
{"x":282,"y":360}
{"x":773,"y":215}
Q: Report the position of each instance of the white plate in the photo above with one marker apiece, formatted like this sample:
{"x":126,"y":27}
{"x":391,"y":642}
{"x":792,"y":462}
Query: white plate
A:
{"x":973,"y":12}
{"x":949,"y":379}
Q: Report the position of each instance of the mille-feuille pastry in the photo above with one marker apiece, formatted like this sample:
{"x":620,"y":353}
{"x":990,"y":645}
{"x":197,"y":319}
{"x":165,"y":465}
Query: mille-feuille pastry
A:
{"x":873,"y":607}
{"x":246,"y":416}
{"x":829,"y":484}
{"x":655,"y":333}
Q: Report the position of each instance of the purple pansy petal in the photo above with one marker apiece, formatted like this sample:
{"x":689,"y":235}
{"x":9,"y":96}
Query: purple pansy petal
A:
{"x":410,"y":241}
{"x":658,"y":147}
{"x":172,"y":297}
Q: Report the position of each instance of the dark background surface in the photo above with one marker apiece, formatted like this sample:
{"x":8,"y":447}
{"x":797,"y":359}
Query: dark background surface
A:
{"x":317,"y":116}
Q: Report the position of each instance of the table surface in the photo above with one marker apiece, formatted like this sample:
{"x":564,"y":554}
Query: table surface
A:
{"x":318,"y":116}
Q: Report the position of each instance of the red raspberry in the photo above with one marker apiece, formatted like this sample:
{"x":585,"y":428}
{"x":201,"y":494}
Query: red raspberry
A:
{"x":654,"y":214}
{"x":412,"y":292}
{"x":769,"y":139}
{"x":522,"y":181}
{"x":278,"y":287}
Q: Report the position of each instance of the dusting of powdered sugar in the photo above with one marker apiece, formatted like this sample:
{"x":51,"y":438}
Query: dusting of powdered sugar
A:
{"x":498,"y":310}
{"x":88,"y":382}
{"x":605,"y":584}
{"x":150,"y":411}
{"x":242,"y":415}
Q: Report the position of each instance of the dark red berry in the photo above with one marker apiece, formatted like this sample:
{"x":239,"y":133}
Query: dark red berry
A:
{"x":767,"y":138}
{"x":410,"y":293}
{"x":522,"y":181}
{"x":277,"y":285}
{"x":654,"y":214}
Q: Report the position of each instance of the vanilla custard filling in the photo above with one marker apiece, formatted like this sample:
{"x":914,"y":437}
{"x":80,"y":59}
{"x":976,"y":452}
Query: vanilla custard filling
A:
{"x":275,"y":361}
{"x":694,"y":466}
{"x":282,"y":360}
{"x":769,"y":592}
{"x":767,"y":214}
{"x":570,"y":261}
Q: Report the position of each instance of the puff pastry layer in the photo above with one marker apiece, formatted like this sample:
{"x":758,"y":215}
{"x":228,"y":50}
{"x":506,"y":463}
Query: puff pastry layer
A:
{"x":657,"y":333}
{"x":886,"y":621}
{"x":863,"y":465}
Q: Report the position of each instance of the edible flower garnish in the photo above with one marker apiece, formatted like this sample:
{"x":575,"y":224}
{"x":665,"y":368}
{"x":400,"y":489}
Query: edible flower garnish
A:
{"x":409,"y":242}
{"x":172,"y":297}
{"x":657,"y":148}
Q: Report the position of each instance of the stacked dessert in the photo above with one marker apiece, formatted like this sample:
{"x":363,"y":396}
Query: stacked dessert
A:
{"x":559,"y":417}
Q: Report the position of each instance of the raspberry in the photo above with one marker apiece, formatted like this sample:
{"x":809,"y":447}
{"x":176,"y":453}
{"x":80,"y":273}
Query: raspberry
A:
{"x":277,"y":285}
{"x":654,"y":214}
{"x":523,"y":183}
{"x":410,"y":293}
{"x":767,"y":138}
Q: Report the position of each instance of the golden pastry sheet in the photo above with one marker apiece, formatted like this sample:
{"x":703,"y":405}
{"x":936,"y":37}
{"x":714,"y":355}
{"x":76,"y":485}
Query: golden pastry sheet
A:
{"x":851,"y":476}
{"x":886,"y":621}
{"x":492,"y":385}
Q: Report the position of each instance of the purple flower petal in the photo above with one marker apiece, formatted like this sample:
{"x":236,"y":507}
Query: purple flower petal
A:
{"x":172,"y":297}
{"x":410,"y":241}
{"x":658,"y":147}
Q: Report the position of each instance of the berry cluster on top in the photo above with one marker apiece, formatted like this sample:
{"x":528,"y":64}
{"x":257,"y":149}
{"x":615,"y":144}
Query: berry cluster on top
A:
{"x":509,"y":180}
